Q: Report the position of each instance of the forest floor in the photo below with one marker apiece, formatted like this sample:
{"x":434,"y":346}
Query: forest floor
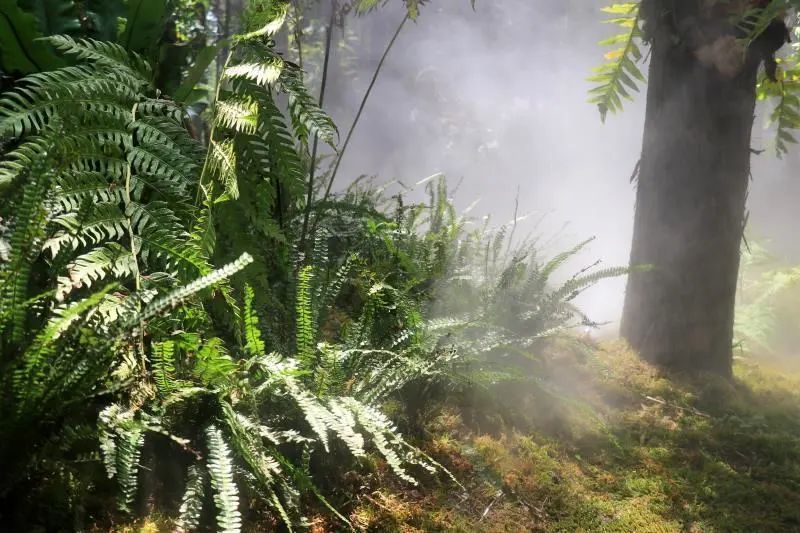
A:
{"x":610,"y":445}
{"x":602,"y":442}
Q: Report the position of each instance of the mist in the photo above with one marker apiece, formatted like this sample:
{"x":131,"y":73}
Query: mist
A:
{"x":495,"y":99}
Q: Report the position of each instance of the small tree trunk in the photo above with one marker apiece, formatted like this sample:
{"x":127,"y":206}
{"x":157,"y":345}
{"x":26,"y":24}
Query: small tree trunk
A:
{"x":692,"y":186}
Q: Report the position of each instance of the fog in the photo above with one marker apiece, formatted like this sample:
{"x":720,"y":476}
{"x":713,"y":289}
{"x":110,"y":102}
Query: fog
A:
{"x":496,"y":100}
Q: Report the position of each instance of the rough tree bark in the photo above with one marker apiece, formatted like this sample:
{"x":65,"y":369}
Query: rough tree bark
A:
{"x":692,"y":187}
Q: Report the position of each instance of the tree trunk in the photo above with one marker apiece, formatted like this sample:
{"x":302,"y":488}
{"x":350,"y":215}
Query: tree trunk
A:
{"x":692,"y":186}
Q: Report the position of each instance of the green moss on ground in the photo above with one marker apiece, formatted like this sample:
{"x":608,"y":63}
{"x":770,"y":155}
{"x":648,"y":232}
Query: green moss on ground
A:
{"x":609,"y":444}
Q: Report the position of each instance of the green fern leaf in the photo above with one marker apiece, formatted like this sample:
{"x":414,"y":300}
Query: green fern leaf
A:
{"x":620,"y":74}
{"x":226,"y":495}
{"x":192,"y":501}
{"x":254,"y":343}
{"x":162,"y":356}
{"x":222,"y":164}
{"x":307,"y":117}
{"x":305,"y":330}
{"x":264,"y":73}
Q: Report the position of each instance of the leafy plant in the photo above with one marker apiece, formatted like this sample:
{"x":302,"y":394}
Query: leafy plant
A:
{"x":106,"y":187}
{"x":620,"y":75}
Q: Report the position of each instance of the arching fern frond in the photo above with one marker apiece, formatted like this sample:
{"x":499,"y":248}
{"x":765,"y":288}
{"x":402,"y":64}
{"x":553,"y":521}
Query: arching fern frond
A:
{"x":106,"y":54}
{"x":192,"y":501}
{"x":222,"y":164}
{"x":785,"y":93}
{"x":226,"y":494}
{"x":620,"y":74}
{"x":304,"y":316}
{"x":264,"y":73}
{"x":27,"y":233}
{"x":307,"y":117}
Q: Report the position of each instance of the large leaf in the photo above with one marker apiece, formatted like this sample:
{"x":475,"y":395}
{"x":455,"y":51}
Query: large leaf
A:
{"x":145,"y":24}
{"x":55,"y":17}
{"x":104,"y":16}
{"x":620,"y":75}
{"x":195,"y":74}
{"x":20,"y":52}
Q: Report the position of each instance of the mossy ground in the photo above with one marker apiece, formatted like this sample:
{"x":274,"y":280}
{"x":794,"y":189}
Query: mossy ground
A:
{"x":606,"y":443}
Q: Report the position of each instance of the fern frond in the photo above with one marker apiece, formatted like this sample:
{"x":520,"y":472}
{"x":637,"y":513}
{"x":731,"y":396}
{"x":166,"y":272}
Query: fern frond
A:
{"x":27,"y":232}
{"x":305,"y":330}
{"x":269,"y":18}
{"x":104,"y":53}
{"x":226,"y":495}
{"x":307,"y":117}
{"x":129,"y":449}
{"x":213,"y":365}
{"x":192,"y":501}
{"x":154,"y":159}
{"x":620,"y":74}
{"x":75,"y":189}
{"x":121,"y":440}
{"x":180,"y":295}
{"x":162,"y":356}
{"x":383,"y":433}
{"x":252,"y":335}
{"x":222,"y":163}
{"x":103,"y":222}
{"x":265,"y":73}
{"x":785,"y":116}
{"x":41,"y":97}
{"x":237,"y":114}
{"x":96,"y":265}
{"x":271,"y":151}
{"x":34,"y":379}
{"x":21,"y":158}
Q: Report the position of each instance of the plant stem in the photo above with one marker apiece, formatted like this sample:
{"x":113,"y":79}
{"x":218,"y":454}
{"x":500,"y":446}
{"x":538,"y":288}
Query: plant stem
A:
{"x":358,"y":117}
{"x":298,"y":32}
{"x":514,"y":224}
{"x":312,"y":174}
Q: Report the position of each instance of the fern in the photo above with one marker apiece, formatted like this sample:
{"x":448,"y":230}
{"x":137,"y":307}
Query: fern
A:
{"x":223,"y":166}
{"x":307,"y":117}
{"x":129,"y":447}
{"x":220,"y":468}
{"x":105,"y":186}
{"x":620,"y":74}
{"x":304,"y":317}
{"x":192,"y":501}
{"x":107,"y":54}
{"x":254,"y":343}
{"x":163,"y":361}
{"x":27,"y":233}
{"x":785,"y":92}
{"x":122,"y":437}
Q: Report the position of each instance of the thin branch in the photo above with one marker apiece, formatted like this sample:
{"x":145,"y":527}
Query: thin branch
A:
{"x":358,"y":116}
{"x":312,"y":175}
{"x":514,"y":226}
{"x":298,"y":32}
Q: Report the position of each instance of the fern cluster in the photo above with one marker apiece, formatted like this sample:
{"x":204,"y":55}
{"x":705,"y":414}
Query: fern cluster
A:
{"x":110,"y":308}
{"x":242,"y":386}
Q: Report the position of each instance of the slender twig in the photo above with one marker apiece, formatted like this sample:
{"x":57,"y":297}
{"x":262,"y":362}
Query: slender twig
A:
{"x":341,"y":153}
{"x":514,"y":224}
{"x":678,"y":407}
{"x":313,"y":172}
{"x":298,"y":32}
